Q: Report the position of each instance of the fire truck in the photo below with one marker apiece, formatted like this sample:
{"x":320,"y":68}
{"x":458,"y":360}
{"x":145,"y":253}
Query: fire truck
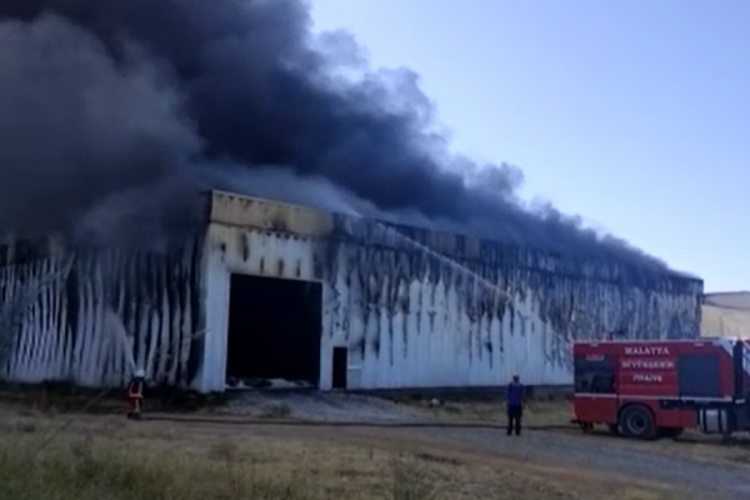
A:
{"x":652,"y":389}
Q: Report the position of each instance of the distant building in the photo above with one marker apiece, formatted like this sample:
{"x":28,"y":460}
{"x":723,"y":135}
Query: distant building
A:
{"x":269,"y":290}
{"x":726,"y":314}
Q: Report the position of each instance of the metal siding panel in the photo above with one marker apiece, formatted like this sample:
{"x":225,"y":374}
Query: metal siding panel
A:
{"x":725,"y":322}
{"x":239,"y":250}
{"x":85,"y":318}
{"x":256,"y":213}
{"x":217,"y":318}
{"x":432,"y":324}
{"x":729,"y":300}
{"x":262,"y":253}
{"x":411,"y":315}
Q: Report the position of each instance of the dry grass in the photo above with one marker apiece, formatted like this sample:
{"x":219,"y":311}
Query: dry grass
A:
{"x":110,"y":458}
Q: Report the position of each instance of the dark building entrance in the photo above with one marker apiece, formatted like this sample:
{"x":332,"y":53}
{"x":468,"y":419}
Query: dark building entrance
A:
{"x":340,"y":367}
{"x":274,"y":329}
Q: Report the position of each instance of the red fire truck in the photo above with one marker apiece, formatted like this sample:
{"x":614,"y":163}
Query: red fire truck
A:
{"x":650,"y":389}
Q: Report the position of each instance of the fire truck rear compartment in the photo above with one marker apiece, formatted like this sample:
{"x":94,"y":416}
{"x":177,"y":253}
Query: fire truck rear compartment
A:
{"x":657,"y":389}
{"x":699,"y":376}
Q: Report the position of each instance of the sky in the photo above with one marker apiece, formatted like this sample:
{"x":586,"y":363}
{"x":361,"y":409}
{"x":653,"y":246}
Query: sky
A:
{"x":633,"y":114}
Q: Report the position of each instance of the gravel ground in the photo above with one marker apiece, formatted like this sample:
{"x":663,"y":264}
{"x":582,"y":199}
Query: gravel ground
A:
{"x":643,"y":461}
{"x":322,"y":407}
{"x":609,"y":455}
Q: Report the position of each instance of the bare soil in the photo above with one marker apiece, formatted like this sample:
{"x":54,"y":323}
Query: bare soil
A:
{"x":461,"y":448}
{"x":694,"y":464}
{"x":349,"y":462}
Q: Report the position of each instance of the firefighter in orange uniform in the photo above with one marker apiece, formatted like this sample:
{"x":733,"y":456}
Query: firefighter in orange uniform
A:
{"x":135,"y":394}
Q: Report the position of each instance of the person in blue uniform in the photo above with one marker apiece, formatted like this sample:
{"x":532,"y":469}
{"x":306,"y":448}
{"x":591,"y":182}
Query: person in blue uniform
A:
{"x":514,"y":404}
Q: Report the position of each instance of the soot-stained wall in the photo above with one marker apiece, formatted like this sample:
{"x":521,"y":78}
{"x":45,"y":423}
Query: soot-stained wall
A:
{"x":424,"y":309}
{"x":91,"y":318}
{"x":414,"y":317}
{"x":413,"y":308}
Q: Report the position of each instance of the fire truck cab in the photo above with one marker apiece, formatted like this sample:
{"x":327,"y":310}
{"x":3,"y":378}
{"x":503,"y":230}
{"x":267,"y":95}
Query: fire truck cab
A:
{"x":651,"y":389}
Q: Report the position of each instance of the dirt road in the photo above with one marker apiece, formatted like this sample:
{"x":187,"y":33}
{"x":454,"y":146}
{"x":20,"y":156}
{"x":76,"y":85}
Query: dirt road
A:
{"x":706,"y":478}
{"x":705,"y":470}
{"x":562,"y":464}
{"x":689,"y":470}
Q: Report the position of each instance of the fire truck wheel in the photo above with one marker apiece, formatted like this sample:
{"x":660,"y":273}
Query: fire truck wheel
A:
{"x":637,"y":422}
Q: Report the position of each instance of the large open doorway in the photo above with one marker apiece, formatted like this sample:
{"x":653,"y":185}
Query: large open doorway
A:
{"x":274,"y":331}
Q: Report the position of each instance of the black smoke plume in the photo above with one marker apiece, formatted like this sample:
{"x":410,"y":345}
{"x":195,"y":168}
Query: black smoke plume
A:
{"x":114,"y":113}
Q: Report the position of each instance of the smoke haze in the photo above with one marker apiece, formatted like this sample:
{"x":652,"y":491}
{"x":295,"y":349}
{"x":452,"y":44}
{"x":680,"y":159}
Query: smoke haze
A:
{"x":115,"y":113}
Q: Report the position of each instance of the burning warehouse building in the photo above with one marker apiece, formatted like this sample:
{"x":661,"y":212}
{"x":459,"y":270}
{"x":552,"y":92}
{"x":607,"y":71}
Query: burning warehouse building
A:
{"x":273,"y":290}
{"x":114,"y":111}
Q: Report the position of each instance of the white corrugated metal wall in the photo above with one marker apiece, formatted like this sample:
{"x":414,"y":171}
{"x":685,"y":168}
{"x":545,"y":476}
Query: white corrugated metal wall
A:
{"x":408,"y":317}
{"x":90,"y":319}
{"x":725,"y":322}
{"x":224,"y":257}
{"x":440,"y":328}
